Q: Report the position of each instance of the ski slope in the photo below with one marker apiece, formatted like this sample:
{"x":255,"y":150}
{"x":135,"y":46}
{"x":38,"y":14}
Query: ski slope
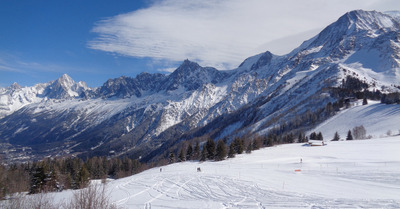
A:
{"x":343,"y":174}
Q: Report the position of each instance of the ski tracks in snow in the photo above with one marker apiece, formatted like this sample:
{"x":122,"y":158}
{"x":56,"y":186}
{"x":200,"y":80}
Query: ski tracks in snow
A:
{"x":219,"y":191}
{"x":168,"y":186}
{"x":127,"y":189}
{"x":354,"y":174}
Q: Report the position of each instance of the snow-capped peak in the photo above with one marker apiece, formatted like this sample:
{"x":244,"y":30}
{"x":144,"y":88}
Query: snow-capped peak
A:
{"x":64,"y":87}
{"x":359,"y":39}
{"x":66,"y":81}
{"x":188,"y":65}
{"x":263,"y":60}
{"x":190,"y":76}
{"x":353,"y":24}
{"x":15,"y":86}
{"x":370,"y":20}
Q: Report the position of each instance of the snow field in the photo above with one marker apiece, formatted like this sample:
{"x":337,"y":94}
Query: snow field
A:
{"x":344,"y":174}
{"x":378,"y":119}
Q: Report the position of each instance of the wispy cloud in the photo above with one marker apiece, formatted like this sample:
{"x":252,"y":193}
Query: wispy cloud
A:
{"x":5,"y":64}
{"x":168,"y":70}
{"x":16,"y":64}
{"x":5,"y":68}
{"x":220,"y":33}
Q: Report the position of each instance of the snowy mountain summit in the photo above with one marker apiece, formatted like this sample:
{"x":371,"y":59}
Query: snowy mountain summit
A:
{"x":15,"y":97}
{"x":353,"y":58}
{"x":360,"y":39}
{"x":65,"y":88}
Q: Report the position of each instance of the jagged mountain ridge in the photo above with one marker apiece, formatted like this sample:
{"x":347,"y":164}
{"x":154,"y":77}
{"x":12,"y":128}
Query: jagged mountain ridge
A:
{"x":16,"y":97}
{"x":139,"y":115}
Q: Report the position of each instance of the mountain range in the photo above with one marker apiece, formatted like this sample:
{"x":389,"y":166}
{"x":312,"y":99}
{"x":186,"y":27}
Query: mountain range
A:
{"x":356,"y":56}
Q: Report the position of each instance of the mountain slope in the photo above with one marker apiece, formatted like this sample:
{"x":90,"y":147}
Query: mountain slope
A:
{"x":144,"y":116}
{"x":378,"y":119}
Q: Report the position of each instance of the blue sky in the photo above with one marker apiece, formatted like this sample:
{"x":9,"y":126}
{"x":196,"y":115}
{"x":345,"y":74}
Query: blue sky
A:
{"x":99,"y":39}
{"x":41,"y":40}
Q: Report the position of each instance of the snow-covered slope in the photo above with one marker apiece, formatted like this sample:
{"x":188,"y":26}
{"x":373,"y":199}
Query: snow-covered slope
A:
{"x":142,"y":114}
{"x":344,"y":174}
{"x":378,"y":119}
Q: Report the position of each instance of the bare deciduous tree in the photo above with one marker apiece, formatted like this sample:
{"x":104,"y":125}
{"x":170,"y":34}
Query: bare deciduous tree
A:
{"x":359,"y":132}
{"x":36,"y":201}
{"x":92,"y":197}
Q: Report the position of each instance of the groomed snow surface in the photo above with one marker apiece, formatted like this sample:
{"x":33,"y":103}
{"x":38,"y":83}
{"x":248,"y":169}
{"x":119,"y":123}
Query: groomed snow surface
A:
{"x":343,"y":174}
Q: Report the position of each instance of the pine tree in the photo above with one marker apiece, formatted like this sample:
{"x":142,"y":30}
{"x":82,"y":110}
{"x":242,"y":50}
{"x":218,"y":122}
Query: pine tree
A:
{"x":220,"y":151}
{"x":336,"y":137}
{"x":231,"y":153}
{"x":197,"y":151}
{"x":313,"y":136}
{"x":181,"y":156}
{"x":136,"y":166}
{"x":320,"y":137}
{"x":248,"y":148}
{"x":210,"y":146}
{"x":38,"y":178}
{"x":204,"y":154}
{"x":126,"y":167}
{"x":349,"y":136}
{"x":268,"y":141}
{"x":290,"y":138}
{"x":300,"y":138}
{"x":171,"y":158}
{"x":239,"y":145}
{"x":189,"y":152}
{"x":83,"y":178}
{"x":105,"y":165}
{"x":365,"y":101}
{"x":256,"y":143}
{"x":115,"y":167}
{"x":52,"y":178}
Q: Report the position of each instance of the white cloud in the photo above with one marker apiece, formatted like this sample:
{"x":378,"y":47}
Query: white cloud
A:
{"x":168,"y":70}
{"x":221,"y":33}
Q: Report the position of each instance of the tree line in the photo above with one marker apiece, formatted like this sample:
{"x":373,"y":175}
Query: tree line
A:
{"x":211,"y":150}
{"x":63,"y":173}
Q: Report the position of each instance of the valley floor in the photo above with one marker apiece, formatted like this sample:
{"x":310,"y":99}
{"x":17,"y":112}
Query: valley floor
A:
{"x":344,"y":174}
